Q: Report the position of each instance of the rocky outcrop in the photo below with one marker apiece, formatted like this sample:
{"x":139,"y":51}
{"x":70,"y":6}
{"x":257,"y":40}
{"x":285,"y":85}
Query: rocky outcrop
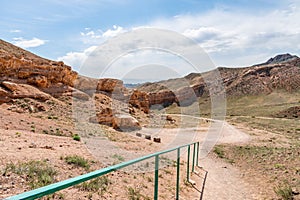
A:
{"x":40,"y":74}
{"x":20,"y":66}
{"x":11,"y":90}
{"x":163,"y":98}
{"x":111,"y":87}
{"x":140,"y":100}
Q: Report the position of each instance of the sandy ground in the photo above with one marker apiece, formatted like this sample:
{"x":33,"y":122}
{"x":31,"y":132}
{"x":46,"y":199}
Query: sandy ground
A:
{"x":224,"y":181}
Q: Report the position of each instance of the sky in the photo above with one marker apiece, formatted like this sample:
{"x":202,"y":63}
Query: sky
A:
{"x":233,"y":33}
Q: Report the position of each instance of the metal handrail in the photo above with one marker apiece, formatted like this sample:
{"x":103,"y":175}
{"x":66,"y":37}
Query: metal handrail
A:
{"x":52,"y":188}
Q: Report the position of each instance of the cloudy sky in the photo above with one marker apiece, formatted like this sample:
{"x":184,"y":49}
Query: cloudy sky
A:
{"x":232,"y":32}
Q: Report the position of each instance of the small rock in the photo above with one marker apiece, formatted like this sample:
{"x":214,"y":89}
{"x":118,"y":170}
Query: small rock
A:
{"x":32,"y":145}
{"x":138,"y":134}
{"x":148,"y":137}
{"x":157,"y":139}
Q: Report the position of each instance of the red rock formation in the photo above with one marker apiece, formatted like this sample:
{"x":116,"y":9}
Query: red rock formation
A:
{"x":36,"y":73}
{"x":140,"y":100}
{"x":21,"y":66}
{"x":164,"y":98}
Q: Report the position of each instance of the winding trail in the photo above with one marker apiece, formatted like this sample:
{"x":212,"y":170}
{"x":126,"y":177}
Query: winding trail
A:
{"x":224,"y":181}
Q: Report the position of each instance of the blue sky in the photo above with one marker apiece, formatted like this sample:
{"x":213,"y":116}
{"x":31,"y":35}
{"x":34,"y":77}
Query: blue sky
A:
{"x":233,"y":32}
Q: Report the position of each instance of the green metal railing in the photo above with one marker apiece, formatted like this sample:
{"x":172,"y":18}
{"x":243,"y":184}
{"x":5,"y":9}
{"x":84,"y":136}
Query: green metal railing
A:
{"x":50,"y":189}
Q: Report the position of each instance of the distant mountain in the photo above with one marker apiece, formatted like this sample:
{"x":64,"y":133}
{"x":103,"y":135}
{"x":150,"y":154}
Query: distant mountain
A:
{"x":280,"y":59}
{"x":281,"y":72}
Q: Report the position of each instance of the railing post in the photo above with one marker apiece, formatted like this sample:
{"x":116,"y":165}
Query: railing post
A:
{"x":194,"y":154}
{"x":178,"y":175}
{"x":156,"y":177}
{"x":188,"y":165}
{"x":197,"y":164}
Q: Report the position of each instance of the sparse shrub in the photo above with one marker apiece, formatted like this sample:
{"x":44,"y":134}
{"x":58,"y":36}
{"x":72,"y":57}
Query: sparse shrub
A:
{"x":219,"y":151}
{"x":99,"y":184}
{"x":134,"y":193}
{"x":76,"y":137}
{"x":78,"y":161}
{"x":38,"y":173}
{"x":118,"y":157}
{"x":284,"y":191}
{"x":149,"y":179}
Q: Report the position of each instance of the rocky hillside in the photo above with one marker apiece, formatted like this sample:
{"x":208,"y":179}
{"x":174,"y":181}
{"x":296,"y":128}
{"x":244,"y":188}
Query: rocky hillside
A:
{"x":281,"y":72}
{"x":24,"y":75}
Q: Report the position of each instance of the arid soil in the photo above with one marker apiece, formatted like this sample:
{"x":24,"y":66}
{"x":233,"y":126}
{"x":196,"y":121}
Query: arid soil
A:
{"x":21,"y":146}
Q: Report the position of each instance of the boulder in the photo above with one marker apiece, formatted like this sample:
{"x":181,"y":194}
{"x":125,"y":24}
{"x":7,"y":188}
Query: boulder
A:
{"x":4,"y":96}
{"x":105,"y":117}
{"x":109,"y":85}
{"x":114,"y":88}
{"x":157,"y":139}
{"x":125,"y":123}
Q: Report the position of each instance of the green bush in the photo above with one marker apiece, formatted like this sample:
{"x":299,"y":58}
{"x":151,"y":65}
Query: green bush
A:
{"x":78,"y":161}
{"x":76,"y":137}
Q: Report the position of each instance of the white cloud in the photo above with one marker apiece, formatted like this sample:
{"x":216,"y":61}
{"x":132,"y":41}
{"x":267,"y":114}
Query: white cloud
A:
{"x":113,"y":32}
{"x":98,"y":36}
{"x":230,"y":36}
{"x":76,"y":59}
{"x":238,"y":33}
{"x":15,"y":31}
{"x":24,"y":43}
{"x":92,"y":38}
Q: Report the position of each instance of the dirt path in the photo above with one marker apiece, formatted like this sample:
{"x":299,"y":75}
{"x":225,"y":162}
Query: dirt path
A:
{"x":224,"y":181}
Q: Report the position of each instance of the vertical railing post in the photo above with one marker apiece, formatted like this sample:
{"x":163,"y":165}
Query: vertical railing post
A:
{"x":194,"y":156}
{"x":197,"y":158}
{"x":178,"y":175}
{"x":188,"y":165}
{"x":156,"y":177}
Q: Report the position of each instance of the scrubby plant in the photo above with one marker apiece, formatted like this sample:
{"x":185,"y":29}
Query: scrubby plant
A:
{"x":219,"y":151}
{"x":76,"y":137}
{"x":77,"y":161}
{"x":38,"y":173}
{"x":284,"y":191}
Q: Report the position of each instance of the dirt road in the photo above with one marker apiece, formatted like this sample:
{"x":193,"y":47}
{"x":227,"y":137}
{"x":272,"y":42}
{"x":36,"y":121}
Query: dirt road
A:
{"x":224,"y":181}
